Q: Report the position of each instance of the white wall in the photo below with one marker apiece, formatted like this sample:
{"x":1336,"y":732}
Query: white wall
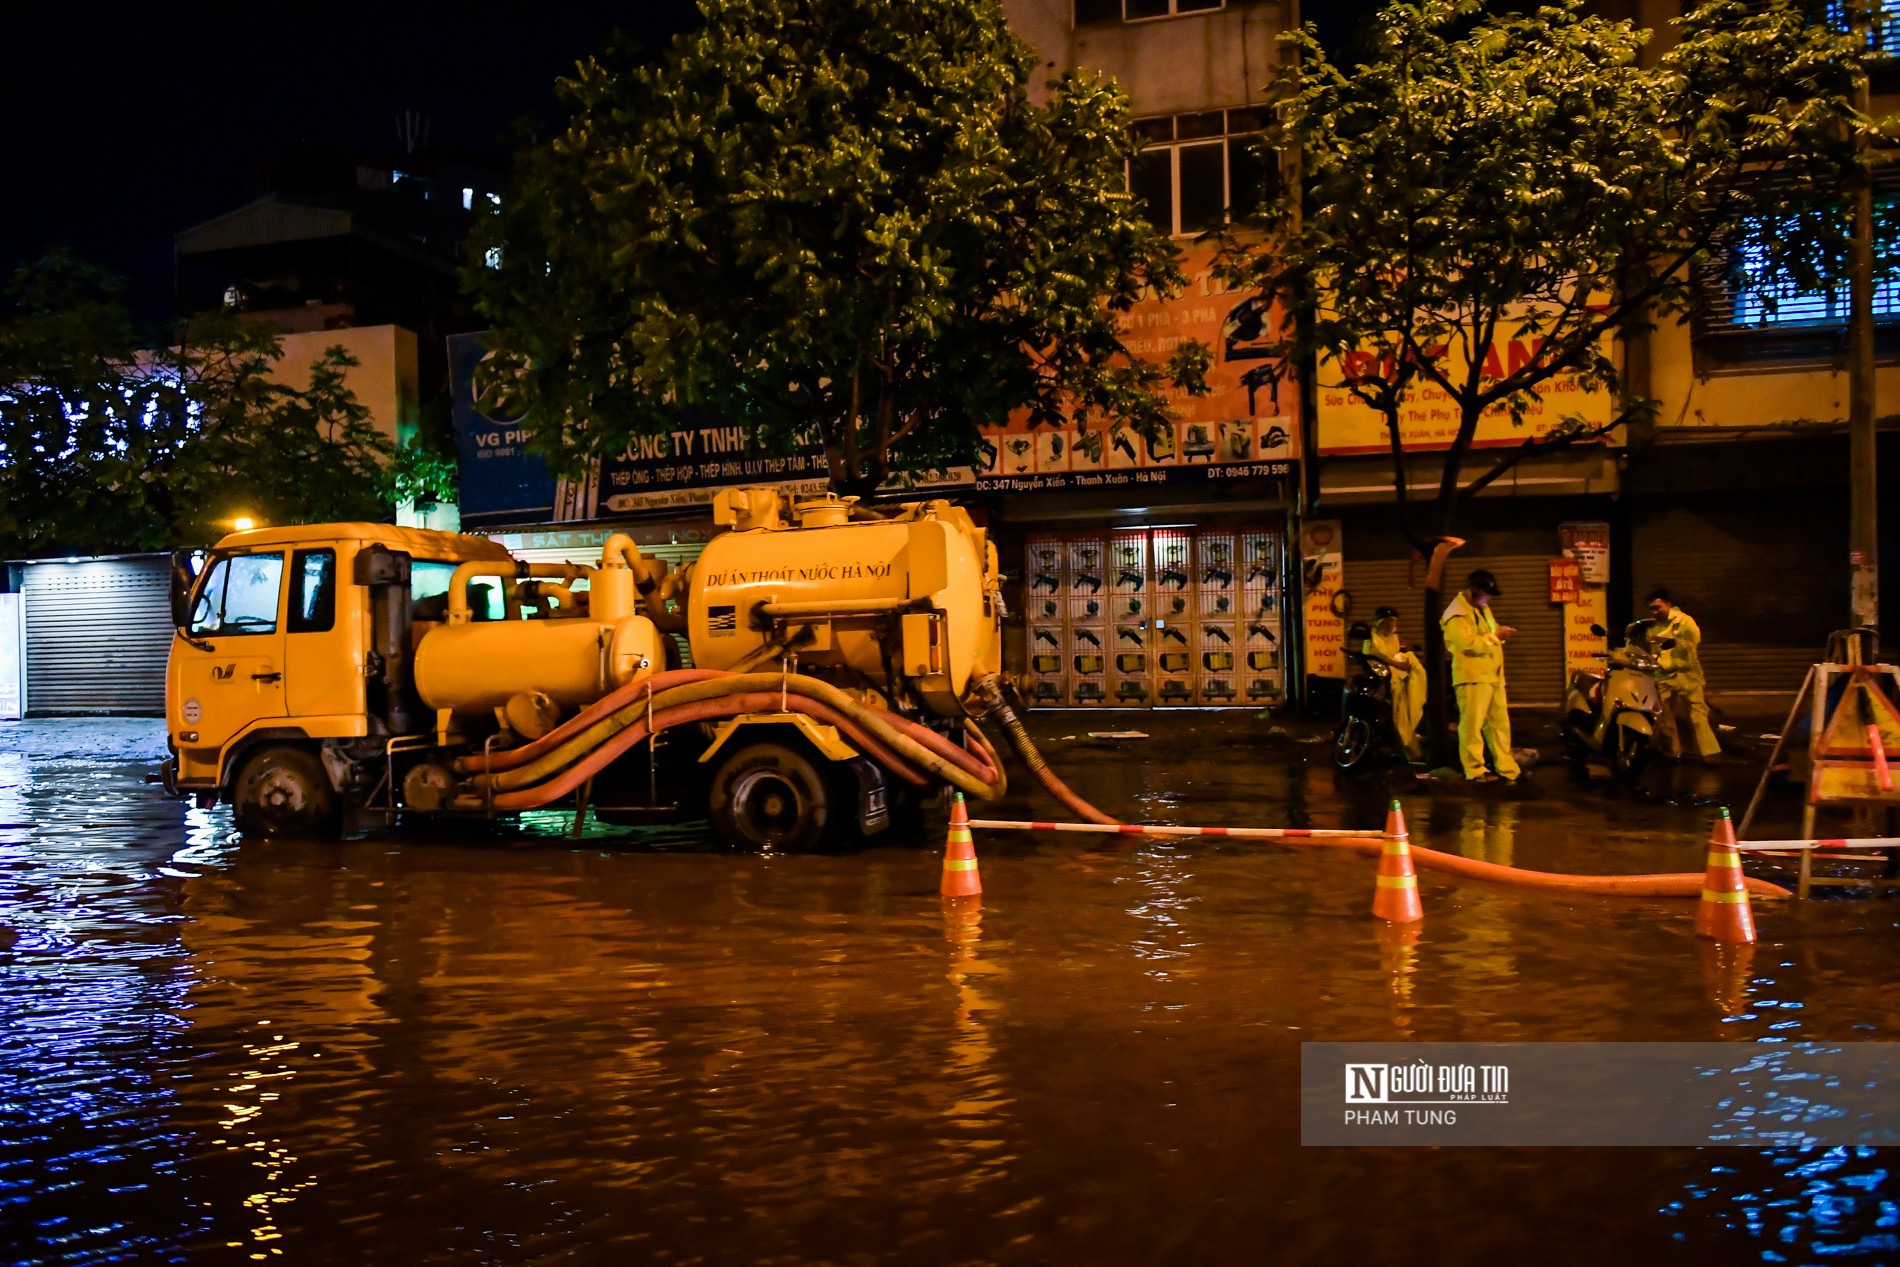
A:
{"x":385,"y":380}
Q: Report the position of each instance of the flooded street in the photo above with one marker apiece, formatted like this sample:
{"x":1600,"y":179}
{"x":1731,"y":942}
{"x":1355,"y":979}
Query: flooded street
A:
{"x":517,"y":1048}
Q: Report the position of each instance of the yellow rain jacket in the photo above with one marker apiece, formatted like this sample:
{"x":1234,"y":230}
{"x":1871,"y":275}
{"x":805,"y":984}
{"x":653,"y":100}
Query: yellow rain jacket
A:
{"x":1408,"y":684}
{"x":1680,"y":664}
{"x":1472,"y":642}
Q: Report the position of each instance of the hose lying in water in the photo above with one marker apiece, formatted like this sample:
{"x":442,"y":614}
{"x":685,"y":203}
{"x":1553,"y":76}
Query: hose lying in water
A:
{"x":1662,"y":884}
{"x":1676,"y":884}
{"x":540,"y":772}
{"x":992,"y":695}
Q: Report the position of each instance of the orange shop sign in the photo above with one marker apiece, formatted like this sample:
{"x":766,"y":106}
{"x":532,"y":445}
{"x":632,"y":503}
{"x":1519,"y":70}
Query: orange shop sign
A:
{"x":1566,"y":580}
{"x":1429,"y":418}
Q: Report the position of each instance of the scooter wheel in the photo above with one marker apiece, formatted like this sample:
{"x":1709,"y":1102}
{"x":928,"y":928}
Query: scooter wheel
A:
{"x":1629,"y":752}
{"x":1353,"y":743}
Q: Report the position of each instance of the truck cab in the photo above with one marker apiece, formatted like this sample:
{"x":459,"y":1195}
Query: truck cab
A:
{"x":275,"y":652}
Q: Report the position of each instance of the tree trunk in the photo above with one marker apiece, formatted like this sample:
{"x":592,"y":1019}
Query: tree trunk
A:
{"x":861,"y":488}
{"x":1438,"y":746}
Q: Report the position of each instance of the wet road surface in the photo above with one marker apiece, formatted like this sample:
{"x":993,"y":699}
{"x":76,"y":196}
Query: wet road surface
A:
{"x":514,"y":1048}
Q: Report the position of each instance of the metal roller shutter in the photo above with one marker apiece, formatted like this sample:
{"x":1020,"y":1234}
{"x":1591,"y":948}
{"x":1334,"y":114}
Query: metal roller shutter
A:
{"x":1767,"y":585}
{"x":1534,"y":662}
{"x":97,"y":635}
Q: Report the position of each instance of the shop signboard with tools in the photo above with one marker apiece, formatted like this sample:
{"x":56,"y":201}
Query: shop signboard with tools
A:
{"x":681,"y":469}
{"x":1246,"y":426}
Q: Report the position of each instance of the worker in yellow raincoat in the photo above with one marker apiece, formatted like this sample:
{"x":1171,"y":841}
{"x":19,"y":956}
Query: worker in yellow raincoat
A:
{"x":1474,"y":640}
{"x":1408,"y":676}
{"x":1680,"y":675}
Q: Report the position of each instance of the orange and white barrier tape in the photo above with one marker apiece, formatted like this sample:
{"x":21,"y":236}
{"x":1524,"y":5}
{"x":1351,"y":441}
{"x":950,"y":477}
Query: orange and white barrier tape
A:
{"x":1797,"y":846}
{"x":1140,"y":829}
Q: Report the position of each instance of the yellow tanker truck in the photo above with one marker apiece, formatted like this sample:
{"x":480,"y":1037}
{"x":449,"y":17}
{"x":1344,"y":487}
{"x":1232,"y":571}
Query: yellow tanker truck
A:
{"x":342,"y":676}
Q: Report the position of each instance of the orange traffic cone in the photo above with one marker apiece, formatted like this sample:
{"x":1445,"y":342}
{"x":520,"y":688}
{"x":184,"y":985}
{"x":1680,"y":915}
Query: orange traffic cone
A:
{"x":1396,"y":897}
{"x":1723,"y":913}
{"x":960,"y":876}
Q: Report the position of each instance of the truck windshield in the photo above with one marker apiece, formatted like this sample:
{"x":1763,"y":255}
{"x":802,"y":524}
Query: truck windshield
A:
{"x":239,"y":596}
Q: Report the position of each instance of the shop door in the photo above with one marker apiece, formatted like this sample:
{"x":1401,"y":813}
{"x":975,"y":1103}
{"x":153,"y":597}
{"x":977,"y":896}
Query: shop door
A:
{"x":1156,"y":617}
{"x":97,"y":634}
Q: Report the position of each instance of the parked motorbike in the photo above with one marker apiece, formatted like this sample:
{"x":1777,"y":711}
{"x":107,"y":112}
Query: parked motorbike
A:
{"x":1365,"y":707}
{"x":1614,"y":714}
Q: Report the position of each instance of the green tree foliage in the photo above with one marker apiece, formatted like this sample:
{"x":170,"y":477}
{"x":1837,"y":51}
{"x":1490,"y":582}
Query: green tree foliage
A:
{"x":110,"y":444}
{"x":81,"y":459}
{"x":835,"y":217}
{"x":1480,"y":169}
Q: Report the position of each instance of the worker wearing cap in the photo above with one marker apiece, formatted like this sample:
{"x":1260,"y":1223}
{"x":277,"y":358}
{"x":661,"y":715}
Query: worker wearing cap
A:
{"x":1408,"y":676}
{"x":1679,"y":674}
{"x":1475,"y":642}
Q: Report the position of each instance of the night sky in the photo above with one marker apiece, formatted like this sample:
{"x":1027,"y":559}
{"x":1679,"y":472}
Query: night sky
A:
{"x":126,"y":124}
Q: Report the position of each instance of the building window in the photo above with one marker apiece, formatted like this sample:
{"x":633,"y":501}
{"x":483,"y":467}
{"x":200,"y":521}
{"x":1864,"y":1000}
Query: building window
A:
{"x":1749,"y":295}
{"x":1883,"y":23}
{"x":1195,"y":171}
{"x":468,"y":198}
{"x":1096,"y":12}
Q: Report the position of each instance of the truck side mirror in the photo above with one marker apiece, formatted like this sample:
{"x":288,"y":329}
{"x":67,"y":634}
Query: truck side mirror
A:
{"x":184,"y":576}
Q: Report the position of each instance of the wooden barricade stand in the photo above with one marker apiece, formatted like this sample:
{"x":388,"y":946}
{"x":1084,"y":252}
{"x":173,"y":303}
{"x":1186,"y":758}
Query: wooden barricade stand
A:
{"x":1850,"y":748}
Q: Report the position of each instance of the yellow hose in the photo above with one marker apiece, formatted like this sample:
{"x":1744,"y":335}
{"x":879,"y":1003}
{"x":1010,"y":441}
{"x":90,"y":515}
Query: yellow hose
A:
{"x":872,"y":719}
{"x":995,"y":758}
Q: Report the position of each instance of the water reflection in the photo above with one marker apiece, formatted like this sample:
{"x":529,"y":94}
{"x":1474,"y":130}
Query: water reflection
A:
{"x":981,"y":1102}
{"x":1725,"y":970}
{"x":1487,"y":831}
{"x":512,"y":1047}
{"x":1792,"y":1205}
{"x":1398,"y":960}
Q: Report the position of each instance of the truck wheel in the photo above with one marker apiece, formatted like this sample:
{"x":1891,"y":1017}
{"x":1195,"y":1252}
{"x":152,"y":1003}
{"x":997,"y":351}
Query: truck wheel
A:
{"x":769,"y":796}
{"x":284,"y":792}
